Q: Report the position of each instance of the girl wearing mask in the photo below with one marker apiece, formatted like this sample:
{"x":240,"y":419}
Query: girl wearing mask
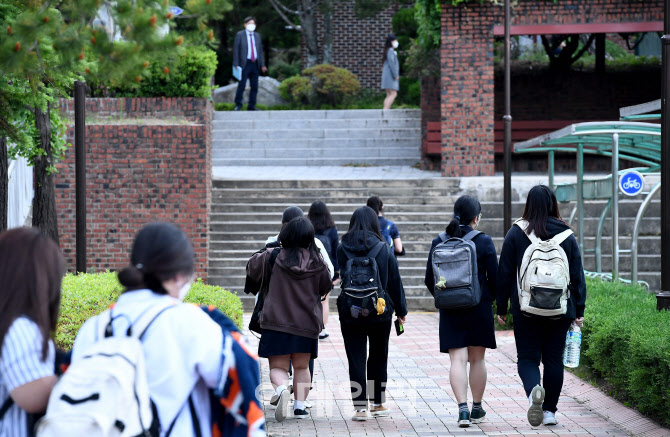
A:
{"x":31,"y":268}
{"x":391,"y":71}
{"x":465,"y":334}
{"x":183,"y":345}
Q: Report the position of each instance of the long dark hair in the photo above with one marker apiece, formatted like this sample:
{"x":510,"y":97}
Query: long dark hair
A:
{"x":160,"y":252}
{"x":363,"y":222}
{"x":320,"y":216}
{"x":298,"y":234}
{"x":389,"y":39}
{"x":540,"y":205}
{"x":466,"y":209}
{"x":32,"y":269}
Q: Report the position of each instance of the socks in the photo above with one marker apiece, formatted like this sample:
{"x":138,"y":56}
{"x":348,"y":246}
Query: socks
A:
{"x":463,"y":407}
{"x":476,"y":406}
{"x":299,"y":405}
{"x":280,"y":389}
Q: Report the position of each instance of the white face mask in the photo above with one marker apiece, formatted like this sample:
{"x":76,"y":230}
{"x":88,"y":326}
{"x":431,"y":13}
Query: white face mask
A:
{"x":183,"y":291}
{"x":251,"y":27}
{"x":395,"y":44}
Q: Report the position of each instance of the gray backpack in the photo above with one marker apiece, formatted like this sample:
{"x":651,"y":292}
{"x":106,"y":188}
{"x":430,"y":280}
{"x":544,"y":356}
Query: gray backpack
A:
{"x":455,"y":272}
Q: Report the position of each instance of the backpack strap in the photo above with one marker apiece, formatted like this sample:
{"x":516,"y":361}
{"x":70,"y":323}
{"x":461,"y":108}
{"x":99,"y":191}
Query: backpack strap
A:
{"x":139,"y":328}
{"x":104,"y":325}
{"x":443,"y":236}
{"x":375,"y":250}
{"x":523,"y":225}
{"x":559,"y":238}
{"x":6,"y":406}
{"x":472,"y":234}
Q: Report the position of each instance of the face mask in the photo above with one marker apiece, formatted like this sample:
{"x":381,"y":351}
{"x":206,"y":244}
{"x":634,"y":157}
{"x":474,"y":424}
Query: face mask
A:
{"x":183,"y":291}
{"x":251,"y":27}
{"x":395,"y":44}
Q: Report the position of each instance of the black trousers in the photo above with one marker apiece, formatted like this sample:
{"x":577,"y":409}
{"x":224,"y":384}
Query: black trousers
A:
{"x":541,"y":340}
{"x":372,"y":387}
{"x":251,"y":72}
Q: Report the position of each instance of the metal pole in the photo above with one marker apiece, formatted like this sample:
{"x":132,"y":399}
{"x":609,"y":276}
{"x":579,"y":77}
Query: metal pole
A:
{"x":80,"y":173}
{"x":580,"y":195}
{"x":551,"y":165}
{"x":507,"y":121}
{"x":663,"y":299}
{"x":615,"y":207}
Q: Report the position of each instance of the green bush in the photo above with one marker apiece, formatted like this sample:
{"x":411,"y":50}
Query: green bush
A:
{"x":85,"y":295}
{"x":284,"y":70}
{"x":179,"y":75}
{"x":296,"y":89}
{"x":626,"y":341}
{"x":410,"y":91}
{"x":331,"y":85}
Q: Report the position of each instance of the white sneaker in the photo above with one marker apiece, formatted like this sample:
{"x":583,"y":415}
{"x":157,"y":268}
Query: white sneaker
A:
{"x":324,"y":334}
{"x":308,"y":404}
{"x":549,"y":418}
{"x":536,"y":399}
{"x":281,"y":413}
{"x":290,"y":384}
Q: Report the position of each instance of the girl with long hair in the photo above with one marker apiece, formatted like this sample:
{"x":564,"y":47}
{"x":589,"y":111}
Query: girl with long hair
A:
{"x":390,"y":71}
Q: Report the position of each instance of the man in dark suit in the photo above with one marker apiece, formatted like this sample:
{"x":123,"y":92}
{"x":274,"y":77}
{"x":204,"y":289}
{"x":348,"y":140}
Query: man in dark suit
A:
{"x":248,"y":55}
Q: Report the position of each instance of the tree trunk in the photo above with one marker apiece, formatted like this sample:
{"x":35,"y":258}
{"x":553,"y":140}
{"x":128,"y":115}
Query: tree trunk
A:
{"x":327,"y":13}
{"x":4,"y":183}
{"x":44,"y":202}
{"x":308,"y":26}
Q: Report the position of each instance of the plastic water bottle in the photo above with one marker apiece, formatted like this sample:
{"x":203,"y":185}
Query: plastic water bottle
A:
{"x":573,"y":345}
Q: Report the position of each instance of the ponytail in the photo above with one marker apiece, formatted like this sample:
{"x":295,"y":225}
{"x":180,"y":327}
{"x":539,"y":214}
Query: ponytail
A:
{"x":454,"y":228}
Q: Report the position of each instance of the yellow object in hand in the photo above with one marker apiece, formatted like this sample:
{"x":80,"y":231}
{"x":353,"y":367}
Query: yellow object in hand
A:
{"x":381,"y":306}
{"x":442,"y":283}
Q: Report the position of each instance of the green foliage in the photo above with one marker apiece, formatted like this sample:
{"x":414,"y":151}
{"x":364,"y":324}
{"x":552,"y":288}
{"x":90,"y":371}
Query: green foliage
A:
{"x":410,"y":91}
{"x":283,"y":70}
{"x":331,"y":85}
{"x":85,"y":295}
{"x":296,"y":90}
{"x":185,"y":74}
{"x":429,"y":28}
{"x":627,"y":342}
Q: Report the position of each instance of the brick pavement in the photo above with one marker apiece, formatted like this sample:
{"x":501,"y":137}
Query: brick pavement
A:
{"x":423,"y":404}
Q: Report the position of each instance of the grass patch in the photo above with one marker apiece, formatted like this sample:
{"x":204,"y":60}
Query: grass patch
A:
{"x":85,"y":295}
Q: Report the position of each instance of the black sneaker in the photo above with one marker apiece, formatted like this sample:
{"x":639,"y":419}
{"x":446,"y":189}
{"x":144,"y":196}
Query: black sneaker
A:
{"x":238,"y":108}
{"x":301,"y":414}
{"x":464,"y":419}
{"x":477,"y":415}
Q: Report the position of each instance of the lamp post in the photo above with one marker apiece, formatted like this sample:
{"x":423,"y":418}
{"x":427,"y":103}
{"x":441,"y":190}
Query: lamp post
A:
{"x":80,"y":173}
{"x":663,"y":298}
{"x":507,"y":122}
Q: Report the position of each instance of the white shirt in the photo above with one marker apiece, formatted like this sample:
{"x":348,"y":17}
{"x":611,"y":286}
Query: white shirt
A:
{"x":21,"y":363}
{"x":253,"y":41}
{"x":322,"y":251}
{"x":182,"y":347}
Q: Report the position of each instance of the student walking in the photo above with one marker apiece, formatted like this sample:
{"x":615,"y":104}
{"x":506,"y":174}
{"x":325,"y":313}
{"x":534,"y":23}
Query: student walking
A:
{"x":390,"y":71}
{"x":547,"y":294}
{"x":368,"y":265}
{"x":292,"y":313}
{"x":183,"y":346}
{"x":466,"y":333}
{"x":326,"y":232}
{"x":388,"y":229}
{"x":31,"y":268}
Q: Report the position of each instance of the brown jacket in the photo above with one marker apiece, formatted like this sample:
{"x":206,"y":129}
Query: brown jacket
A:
{"x":293,"y":301}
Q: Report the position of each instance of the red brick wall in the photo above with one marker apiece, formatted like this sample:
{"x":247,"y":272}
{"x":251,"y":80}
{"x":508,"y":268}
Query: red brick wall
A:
{"x":467,"y":67}
{"x":358,"y":43}
{"x":137,"y":174}
{"x":430,"y":112}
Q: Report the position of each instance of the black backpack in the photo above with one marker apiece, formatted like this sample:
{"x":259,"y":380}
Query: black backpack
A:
{"x":361,"y":287}
{"x":323,"y":238}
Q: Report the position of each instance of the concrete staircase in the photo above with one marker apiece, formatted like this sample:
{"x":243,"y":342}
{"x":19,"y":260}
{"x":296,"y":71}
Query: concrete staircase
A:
{"x":245,"y":213}
{"x":317,"y":138}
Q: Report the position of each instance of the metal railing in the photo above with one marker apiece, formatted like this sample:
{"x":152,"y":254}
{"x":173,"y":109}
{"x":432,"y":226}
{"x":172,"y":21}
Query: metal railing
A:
{"x":20,"y":192}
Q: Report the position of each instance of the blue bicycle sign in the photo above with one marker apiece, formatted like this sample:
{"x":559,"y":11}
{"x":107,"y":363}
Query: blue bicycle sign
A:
{"x":631,"y":183}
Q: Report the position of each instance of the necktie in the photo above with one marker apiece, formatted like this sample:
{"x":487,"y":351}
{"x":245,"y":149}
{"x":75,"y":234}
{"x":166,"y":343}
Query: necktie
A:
{"x":253,"y":52}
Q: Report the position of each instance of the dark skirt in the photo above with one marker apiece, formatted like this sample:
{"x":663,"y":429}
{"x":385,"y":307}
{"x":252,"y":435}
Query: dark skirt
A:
{"x":275,"y":343}
{"x":467,"y":327}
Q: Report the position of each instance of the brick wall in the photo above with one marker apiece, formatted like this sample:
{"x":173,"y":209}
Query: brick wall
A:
{"x":358,"y":43}
{"x":467,"y":97}
{"x":430,"y":112}
{"x":137,"y":174}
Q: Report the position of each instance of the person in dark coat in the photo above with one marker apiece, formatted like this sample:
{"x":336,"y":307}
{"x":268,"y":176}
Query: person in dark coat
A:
{"x":465,"y":334}
{"x":540,"y":338}
{"x":248,"y":56}
{"x":362,"y":237}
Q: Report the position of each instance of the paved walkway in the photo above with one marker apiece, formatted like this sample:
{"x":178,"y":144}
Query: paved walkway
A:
{"x":423,"y":404}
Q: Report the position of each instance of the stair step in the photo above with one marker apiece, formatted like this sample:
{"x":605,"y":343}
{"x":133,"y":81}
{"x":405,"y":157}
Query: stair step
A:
{"x":316,"y":123}
{"x":318,"y":114}
{"x":377,"y":151}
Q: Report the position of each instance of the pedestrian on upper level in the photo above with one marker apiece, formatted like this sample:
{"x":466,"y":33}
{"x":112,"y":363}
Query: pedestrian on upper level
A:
{"x":466,"y":333}
{"x":390,"y":71}
{"x":248,"y":56}
{"x":31,"y":268}
{"x":326,"y":232}
{"x":388,"y":229}
{"x":541,"y":338}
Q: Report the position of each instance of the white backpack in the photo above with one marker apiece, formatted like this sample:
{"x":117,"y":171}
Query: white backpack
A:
{"x":105,"y":392}
{"x":544,"y":275}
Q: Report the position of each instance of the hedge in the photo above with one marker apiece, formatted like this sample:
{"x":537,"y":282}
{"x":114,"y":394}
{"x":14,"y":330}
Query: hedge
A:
{"x":86,"y":295}
{"x":626,"y":341}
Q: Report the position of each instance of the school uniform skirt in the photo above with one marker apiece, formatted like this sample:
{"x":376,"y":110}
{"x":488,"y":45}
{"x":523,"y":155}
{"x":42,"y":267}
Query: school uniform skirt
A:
{"x":275,"y":343}
{"x":467,"y":327}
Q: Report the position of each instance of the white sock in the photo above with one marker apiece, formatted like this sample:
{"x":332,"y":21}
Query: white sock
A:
{"x":299,"y":405}
{"x":377,"y":405}
{"x":280,"y":389}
